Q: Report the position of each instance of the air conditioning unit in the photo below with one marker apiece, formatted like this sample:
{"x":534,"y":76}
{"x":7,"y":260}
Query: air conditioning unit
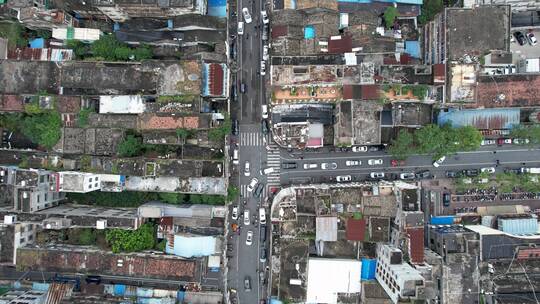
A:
{"x":101,"y":224}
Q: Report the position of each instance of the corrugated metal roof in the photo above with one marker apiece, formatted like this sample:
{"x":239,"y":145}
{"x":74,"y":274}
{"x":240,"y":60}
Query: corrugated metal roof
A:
{"x":355,"y":229}
{"x":192,"y":246}
{"x":279,"y":31}
{"x":519,"y":226}
{"x":326,"y":228}
{"x":340,"y":44}
{"x":416,"y":245}
{"x":501,"y":118}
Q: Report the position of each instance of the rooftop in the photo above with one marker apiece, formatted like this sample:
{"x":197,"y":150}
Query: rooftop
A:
{"x":485,"y":119}
{"x":345,"y":276}
{"x":466,"y":34}
{"x":366,"y":122}
{"x":500,"y":91}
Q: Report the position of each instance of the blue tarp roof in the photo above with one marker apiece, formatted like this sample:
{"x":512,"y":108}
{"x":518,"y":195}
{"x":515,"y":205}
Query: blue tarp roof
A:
{"x":197,"y":246}
{"x":309,"y":32}
{"x":485,"y":119}
{"x":412,"y":48}
{"x":217,"y":8}
{"x":416,"y":2}
{"x":37,"y":43}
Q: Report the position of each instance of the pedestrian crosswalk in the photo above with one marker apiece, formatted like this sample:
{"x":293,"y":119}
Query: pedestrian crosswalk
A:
{"x":273,"y":160}
{"x":244,"y":193}
{"x":252,"y":139}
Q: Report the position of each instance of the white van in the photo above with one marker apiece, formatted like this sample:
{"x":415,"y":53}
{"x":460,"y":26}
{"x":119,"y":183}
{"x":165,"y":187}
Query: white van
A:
{"x":235,"y":160}
{"x":241,"y":28}
{"x":262,"y":216}
{"x":268,"y":171}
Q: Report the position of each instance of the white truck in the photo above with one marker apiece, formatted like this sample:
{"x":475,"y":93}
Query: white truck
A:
{"x":530,"y":170}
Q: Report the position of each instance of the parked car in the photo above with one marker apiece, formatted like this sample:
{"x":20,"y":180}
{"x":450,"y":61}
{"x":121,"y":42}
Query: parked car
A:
{"x":246,"y":217}
{"x":376,"y":175}
{"x":262,"y":256}
{"x":254,"y":181}
{"x":407,"y":176}
{"x":265,"y":32}
{"x":531,"y":38}
{"x":310,"y":166}
{"x":439,"y":161}
{"x":470,"y":172}
{"x":264,"y":110}
{"x":289,"y":166}
{"x":350,"y":163}
{"x":247,"y":16}
{"x":258,"y":191}
{"x":502,"y":141}
{"x":249,"y":238}
{"x":359,"y":149}
{"x":240,"y":28}
{"x":520,"y":141}
{"x":326,"y":166}
{"x":511,"y":170}
{"x":452,"y":174}
{"x":247,"y":284}
{"x":373,"y":162}
{"x":234,"y":214}
{"x":243,"y":88}
{"x":235,"y":128}
{"x":247,"y":168}
{"x":234,"y":94}
{"x":265,"y":52}
{"x":520,"y":38}
{"x":263,"y":67}
{"x":489,"y":170}
{"x":264,"y":126}
{"x":343,"y":178}
{"x":264,"y":17}
{"x":423,"y":174}
{"x":446,"y":199}
{"x":374,"y":148}
{"x":487,"y":142}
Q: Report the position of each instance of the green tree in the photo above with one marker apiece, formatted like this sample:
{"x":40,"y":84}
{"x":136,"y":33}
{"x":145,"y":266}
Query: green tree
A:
{"x":469,"y":138}
{"x":87,"y":236}
{"x":430,"y":140}
{"x":143,"y":52}
{"x":172,"y":198}
{"x":121,"y":240}
{"x":130,"y":146}
{"x":218,"y":134}
{"x":430,"y":8}
{"x":43,"y":129}
{"x":402,"y":147}
{"x":105,"y":47}
{"x":123,"y":53}
{"x":390,"y":14}
{"x":84,"y":115}
{"x":11,"y":121}
{"x":232,"y":193}
{"x":160,"y":246}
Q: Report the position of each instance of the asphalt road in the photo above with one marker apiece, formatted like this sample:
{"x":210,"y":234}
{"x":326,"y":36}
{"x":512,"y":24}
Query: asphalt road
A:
{"x":509,"y":156}
{"x":244,"y":259}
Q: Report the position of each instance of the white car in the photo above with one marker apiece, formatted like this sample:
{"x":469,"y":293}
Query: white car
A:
{"x":343,"y":178}
{"x":326,"y":166}
{"x":487,"y":142}
{"x":531,"y":38}
{"x":254,"y":181}
{"x":310,"y":166}
{"x":265,"y":52}
{"x":406,"y":176}
{"x":240,"y":28}
{"x":359,"y":149}
{"x":247,"y":16}
{"x":263,"y":67}
{"x":264,"y":16}
{"x":376,"y":175}
{"x":350,"y":163}
{"x":373,"y":162}
{"x":439,"y":161}
{"x":489,"y":170}
{"x":234,"y":215}
{"x":520,"y":141}
{"x":249,"y":238}
{"x":246,"y":217}
{"x":246,"y":169}
{"x":264,"y":112}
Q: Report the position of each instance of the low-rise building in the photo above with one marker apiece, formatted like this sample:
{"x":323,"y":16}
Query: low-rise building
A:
{"x":14,"y":234}
{"x":345,"y":280}
{"x":79,"y":182}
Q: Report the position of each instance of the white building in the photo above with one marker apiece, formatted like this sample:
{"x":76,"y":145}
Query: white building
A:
{"x":399,"y":280}
{"x":122,"y":104}
{"x":12,"y":236}
{"x":328,"y":277}
{"x":81,"y":182}
{"x":76,"y":33}
{"x":531,"y":65}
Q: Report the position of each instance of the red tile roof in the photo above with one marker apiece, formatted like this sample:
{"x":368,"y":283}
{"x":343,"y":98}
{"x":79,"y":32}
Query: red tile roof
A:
{"x":439,"y":73}
{"x":518,"y":90}
{"x":279,"y":31}
{"x":348,"y":91}
{"x":215,"y":80}
{"x":416,"y":245}
{"x":403,"y":59}
{"x":340,"y":46}
{"x":11,"y":103}
{"x":355,"y":229}
{"x":168,"y":122}
{"x":68,"y":104}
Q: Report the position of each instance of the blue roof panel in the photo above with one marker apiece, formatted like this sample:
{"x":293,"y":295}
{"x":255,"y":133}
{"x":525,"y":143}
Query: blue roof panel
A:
{"x":412,"y":48}
{"x":414,"y":2}
{"x":484,"y":119}
{"x":188,"y":247}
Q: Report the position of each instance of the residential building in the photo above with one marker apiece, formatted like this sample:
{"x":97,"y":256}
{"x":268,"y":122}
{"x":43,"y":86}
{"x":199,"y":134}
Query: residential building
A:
{"x":80,"y":182}
{"x":122,"y":10}
{"x":30,"y":190}
{"x":14,"y":234}
{"x":400,"y":280}
{"x":24,"y":297}
{"x":345,"y":280}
